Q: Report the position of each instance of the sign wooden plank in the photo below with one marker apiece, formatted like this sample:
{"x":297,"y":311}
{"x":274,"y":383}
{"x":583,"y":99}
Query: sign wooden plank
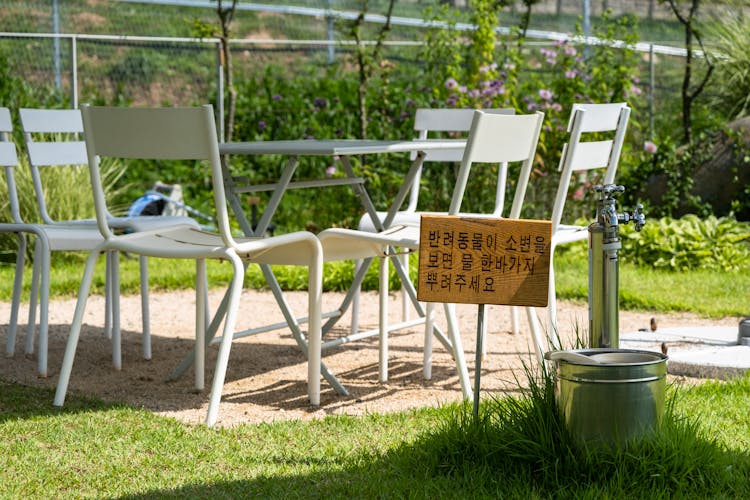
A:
{"x":484,"y":260}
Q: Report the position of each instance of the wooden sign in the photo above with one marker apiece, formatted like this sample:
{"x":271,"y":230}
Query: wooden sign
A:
{"x":484,"y":260}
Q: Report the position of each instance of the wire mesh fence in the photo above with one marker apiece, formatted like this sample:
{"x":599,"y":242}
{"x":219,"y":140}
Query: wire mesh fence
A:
{"x":139,"y":52}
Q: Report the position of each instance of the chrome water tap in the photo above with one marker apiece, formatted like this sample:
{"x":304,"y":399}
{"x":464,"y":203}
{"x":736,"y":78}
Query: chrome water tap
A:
{"x":604,"y":243}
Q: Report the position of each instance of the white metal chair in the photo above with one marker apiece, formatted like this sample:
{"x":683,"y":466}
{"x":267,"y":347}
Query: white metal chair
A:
{"x":493,"y":138}
{"x":54,"y":138}
{"x":430,"y":123}
{"x":188,"y":134}
{"x":49,"y":238}
{"x":584,"y":155}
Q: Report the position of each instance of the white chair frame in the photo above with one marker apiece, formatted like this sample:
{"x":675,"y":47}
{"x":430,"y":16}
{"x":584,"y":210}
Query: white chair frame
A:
{"x":189,"y":134}
{"x":38,"y":125}
{"x":493,"y":138}
{"x":49,"y":238}
{"x":427,"y":122}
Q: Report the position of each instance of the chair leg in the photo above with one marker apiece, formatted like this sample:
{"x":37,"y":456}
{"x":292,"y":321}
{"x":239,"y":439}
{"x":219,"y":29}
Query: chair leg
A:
{"x":383,"y":289}
{"x":355,"y":301}
{"x":108,"y":295}
{"x":514,"y":320}
{"x":405,"y":305}
{"x":145,"y":314}
{"x":536,"y":334}
{"x":10,"y":345}
{"x":33,"y":298}
{"x":200,"y":324}
{"x":458,"y":351}
{"x":554,"y":338}
{"x":235,"y":288}
{"x":116,"y":332}
{"x":314,"y":332}
{"x":75,"y":329}
{"x":44,"y":266}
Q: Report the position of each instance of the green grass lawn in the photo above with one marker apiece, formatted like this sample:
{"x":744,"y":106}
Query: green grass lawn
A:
{"x":93,"y":449}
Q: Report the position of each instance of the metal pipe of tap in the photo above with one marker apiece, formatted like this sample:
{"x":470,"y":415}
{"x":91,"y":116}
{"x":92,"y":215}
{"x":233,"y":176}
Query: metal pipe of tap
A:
{"x":604,"y":244}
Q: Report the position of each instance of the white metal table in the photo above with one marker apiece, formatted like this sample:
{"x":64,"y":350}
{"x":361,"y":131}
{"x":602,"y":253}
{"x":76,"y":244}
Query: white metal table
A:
{"x":342,"y":149}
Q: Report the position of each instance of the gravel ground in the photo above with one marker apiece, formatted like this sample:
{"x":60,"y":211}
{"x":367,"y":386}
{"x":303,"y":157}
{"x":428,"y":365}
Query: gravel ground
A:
{"x":266,"y":375}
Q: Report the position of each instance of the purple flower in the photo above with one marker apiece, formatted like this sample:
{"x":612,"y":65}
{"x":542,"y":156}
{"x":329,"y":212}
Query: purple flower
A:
{"x":262,"y":125}
{"x":331,"y":171}
{"x":557,"y":107}
{"x":545,"y":94}
{"x":650,"y":147}
{"x":570,"y":50}
{"x":320,"y":102}
{"x":462,"y":89}
{"x":474,"y":93}
{"x":571,"y":73}
{"x":451,"y":83}
{"x":276,"y":97}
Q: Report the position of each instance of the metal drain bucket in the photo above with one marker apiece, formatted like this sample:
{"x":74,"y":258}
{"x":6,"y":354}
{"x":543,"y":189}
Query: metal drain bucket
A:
{"x":618,"y":399}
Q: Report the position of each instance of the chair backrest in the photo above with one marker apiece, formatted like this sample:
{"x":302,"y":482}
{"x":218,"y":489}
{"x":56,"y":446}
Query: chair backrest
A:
{"x":178,"y":133}
{"x":579,"y":155}
{"x":497,"y":138}
{"x":430,"y":121}
{"x":54,"y":138}
{"x":9,"y":161}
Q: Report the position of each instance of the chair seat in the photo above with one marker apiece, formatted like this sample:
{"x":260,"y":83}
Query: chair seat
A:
{"x":137,"y":223}
{"x":569,"y":234}
{"x":71,"y":238}
{"x":191,"y":243}
{"x":343,"y":244}
{"x":410,"y":219}
{"x":149,"y":222}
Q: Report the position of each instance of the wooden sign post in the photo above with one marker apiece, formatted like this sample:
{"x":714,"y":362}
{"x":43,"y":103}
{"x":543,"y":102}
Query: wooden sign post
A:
{"x":482,"y":261}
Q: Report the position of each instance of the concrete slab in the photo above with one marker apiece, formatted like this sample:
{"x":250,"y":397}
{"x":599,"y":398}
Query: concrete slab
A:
{"x":718,"y":335}
{"x":710,"y":362}
{"x":696,"y":351}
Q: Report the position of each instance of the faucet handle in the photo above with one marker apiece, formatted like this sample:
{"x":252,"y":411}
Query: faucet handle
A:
{"x":609,"y":190}
{"x":639,"y":218}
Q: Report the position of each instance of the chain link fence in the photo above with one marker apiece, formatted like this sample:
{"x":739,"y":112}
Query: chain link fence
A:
{"x":135,"y":52}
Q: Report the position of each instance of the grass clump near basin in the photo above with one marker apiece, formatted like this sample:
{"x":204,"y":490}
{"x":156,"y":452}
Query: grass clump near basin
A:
{"x":519,"y":447}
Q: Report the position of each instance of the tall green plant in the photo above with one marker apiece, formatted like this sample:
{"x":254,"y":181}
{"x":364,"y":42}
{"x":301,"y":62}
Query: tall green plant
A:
{"x":67,"y":192}
{"x":730,"y":87}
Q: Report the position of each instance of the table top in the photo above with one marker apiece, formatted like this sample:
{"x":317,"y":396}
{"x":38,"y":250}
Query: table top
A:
{"x":337,"y":147}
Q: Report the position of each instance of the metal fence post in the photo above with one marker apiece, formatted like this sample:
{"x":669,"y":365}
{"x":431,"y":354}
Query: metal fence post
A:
{"x":329,"y":24}
{"x":219,"y":92}
{"x":651,"y":86}
{"x":73,"y":72}
{"x":56,"y":43}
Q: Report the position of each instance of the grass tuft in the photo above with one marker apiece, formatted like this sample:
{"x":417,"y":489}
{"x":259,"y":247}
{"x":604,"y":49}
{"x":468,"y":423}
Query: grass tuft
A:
{"x":521,"y":442}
